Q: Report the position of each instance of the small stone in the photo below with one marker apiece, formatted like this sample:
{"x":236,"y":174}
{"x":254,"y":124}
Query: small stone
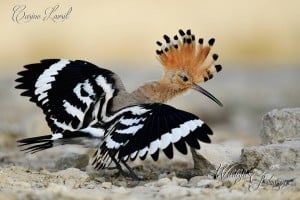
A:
{"x":121,"y":183}
{"x":228,"y":183}
{"x":179,"y":181}
{"x":106,"y":185}
{"x":90,"y":186}
{"x":194,"y":180}
{"x":281,"y":125}
{"x":99,"y":179}
{"x":163,"y":175}
{"x":73,"y":160}
{"x":162,"y":182}
{"x":242,"y":184}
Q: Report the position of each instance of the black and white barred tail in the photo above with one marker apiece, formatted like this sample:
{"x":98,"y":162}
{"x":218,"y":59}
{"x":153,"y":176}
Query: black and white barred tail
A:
{"x":82,"y":137}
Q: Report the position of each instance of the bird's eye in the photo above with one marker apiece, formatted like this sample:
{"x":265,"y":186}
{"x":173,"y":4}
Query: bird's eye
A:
{"x":184,"y":78}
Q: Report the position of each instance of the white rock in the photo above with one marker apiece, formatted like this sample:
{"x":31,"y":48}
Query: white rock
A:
{"x":106,"y":185}
{"x":223,"y":153}
{"x":273,"y":156}
{"x":281,"y":125}
{"x":179,"y":181}
{"x":163,"y":181}
{"x":194,"y":180}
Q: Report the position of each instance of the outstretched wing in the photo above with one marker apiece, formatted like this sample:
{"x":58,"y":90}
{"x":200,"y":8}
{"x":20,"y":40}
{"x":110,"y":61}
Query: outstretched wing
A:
{"x":144,"y":129}
{"x":70,"y":93}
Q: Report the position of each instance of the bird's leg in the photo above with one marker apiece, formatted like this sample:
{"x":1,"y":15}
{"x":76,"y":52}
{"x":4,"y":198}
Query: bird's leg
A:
{"x":132,"y":174}
{"x":118,"y":166}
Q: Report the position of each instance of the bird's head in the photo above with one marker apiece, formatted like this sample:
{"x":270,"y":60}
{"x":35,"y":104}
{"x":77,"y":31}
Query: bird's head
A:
{"x":187,"y":62}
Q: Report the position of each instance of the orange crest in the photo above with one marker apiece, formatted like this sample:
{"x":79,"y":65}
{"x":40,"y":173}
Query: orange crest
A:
{"x":187,"y":54}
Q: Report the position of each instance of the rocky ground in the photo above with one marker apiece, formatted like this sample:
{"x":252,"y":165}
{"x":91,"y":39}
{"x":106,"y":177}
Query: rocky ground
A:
{"x":247,"y":165}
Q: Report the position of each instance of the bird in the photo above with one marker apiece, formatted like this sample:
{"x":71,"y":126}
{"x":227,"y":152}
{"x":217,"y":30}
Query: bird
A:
{"x":89,"y":105}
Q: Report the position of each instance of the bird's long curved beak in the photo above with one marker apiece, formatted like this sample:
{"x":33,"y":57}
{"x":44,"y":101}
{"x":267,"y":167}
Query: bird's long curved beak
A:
{"x":206,"y":93}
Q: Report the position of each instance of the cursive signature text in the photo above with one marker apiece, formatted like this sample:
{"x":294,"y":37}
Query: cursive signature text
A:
{"x":21,"y":14}
{"x":239,"y":172}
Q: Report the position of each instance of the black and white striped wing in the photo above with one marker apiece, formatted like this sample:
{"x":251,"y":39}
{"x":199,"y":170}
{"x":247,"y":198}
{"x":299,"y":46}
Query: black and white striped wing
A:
{"x":146,"y":128}
{"x":70,"y":93}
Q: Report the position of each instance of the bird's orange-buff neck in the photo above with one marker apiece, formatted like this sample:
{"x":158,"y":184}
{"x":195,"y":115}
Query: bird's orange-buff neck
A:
{"x":156,"y":91}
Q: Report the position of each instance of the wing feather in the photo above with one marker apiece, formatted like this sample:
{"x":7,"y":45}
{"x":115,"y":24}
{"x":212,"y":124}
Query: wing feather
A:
{"x":162,"y":127}
{"x":67,"y":91}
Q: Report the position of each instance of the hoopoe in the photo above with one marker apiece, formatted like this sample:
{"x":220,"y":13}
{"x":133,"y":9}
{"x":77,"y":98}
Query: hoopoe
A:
{"x":88,"y":105}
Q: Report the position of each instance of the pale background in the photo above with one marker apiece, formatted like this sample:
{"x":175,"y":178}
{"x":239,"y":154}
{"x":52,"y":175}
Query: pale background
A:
{"x":258,"y":42}
{"x":118,"y":31}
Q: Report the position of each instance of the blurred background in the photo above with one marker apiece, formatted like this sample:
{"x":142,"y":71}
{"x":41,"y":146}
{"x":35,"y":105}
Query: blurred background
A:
{"x":258,"y":42}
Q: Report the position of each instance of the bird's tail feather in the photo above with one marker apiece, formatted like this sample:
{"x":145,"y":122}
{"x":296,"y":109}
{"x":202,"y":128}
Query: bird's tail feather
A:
{"x":36,"y":144}
{"x":40,"y":143}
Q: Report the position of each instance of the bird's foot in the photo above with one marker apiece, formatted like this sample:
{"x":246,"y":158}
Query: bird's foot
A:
{"x":130,"y":173}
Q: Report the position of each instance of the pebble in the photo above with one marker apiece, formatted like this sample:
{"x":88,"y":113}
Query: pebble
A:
{"x":162,"y":175}
{"x":162,"y":182}
{"x":106,"y":185}
{"x":90,"y":186}
{"x":179,"y":181}
{"x":243,"y":184}
{"x":99,"y":179}
{"x":194,"y":180}
{"x":121,"y":183}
